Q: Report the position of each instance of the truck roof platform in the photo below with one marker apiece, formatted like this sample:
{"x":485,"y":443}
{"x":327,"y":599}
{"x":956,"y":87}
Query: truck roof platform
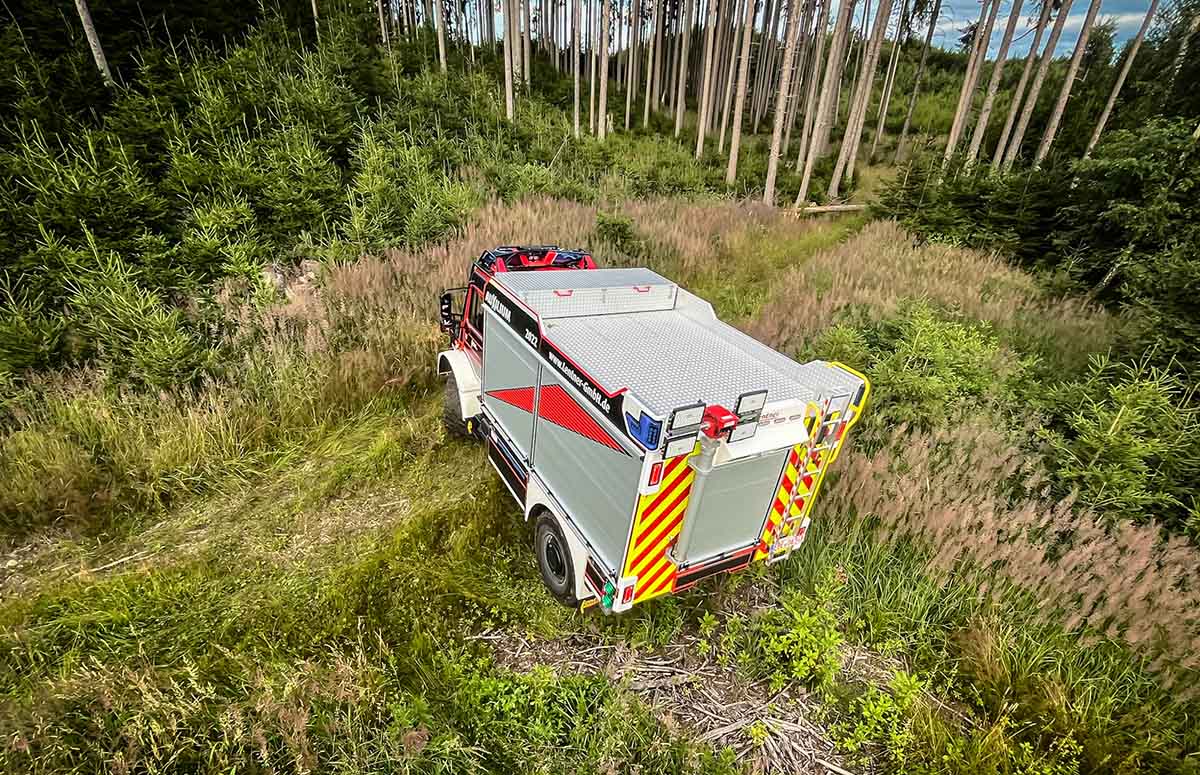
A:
{"x":634,"y":329}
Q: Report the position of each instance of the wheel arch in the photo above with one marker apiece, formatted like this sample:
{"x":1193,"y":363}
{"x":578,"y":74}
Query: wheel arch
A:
{"x":466,"y":378}
{"x":538,"y":502}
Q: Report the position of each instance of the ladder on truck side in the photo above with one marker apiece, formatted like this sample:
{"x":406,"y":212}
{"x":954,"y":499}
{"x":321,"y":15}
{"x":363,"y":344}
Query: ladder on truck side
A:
{"x":831,"y":416}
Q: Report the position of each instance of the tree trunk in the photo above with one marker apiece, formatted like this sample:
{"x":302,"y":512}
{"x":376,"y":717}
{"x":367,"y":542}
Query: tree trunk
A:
{"x":89,"y":29}
{"x":1116,"y":90}
{"x":760,"y":58}
{"x":526,"y":59}
{"x":810,"y":91}
{"x":659,"y":23}
{"x":857,"y":112}
{"x":593,"y":55}
{"x":575,"y":57}
{"x":985,"y":112}
{"x":740,"y":101}
{"x":81,"y":6}
{"x":1064,"y":93}
{"x":799,"y":64}
{"x":766,"y":51}
{"x":1184,"y":41}
{"x":889,"y":80}
{"x":1014,"y":146}
{"x":681,"y":82}
{"x":722,"y":9}
{"x":1019,"y":92}
{"x":635,"y":34}
{"x":730,"y":74}
{"x":441,"y":33}
{"x":785,"y":83}
{"x":966,"y":95}
{"x":832,"y":85}
{"x":912,"y":100}
{"x":605,"y":13}
{"x":651,"y":60}
{"x":702,"y":121}
{"x":508,"y":60}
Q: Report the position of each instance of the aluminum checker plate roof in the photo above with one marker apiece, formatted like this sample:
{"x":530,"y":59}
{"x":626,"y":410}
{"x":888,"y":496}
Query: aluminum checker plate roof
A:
{"x":671,"y":357}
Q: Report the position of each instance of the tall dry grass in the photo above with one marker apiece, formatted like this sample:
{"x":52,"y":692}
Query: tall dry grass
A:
{"x":977,"y":501}
{"x":883,"y":266}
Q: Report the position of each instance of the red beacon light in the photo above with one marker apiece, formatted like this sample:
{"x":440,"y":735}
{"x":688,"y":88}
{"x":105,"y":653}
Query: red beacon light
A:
{"x":718,"y":421}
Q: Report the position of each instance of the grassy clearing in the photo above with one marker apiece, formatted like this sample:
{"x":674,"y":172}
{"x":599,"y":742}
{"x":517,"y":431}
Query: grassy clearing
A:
{"x":316,"y":608}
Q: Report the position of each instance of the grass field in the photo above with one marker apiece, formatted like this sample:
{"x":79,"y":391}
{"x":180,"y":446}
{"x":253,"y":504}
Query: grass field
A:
{"x":294,"y":571}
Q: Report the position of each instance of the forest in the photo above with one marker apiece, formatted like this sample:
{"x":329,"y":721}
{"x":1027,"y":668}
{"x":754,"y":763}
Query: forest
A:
{"x":234,"y":537}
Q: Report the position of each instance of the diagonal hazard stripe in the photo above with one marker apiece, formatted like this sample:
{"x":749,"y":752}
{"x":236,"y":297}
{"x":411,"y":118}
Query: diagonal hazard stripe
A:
{"x":661,"y":515}
{"x":658,"y":546}
{"x":662,"y":567}
{"x":663,"y":584}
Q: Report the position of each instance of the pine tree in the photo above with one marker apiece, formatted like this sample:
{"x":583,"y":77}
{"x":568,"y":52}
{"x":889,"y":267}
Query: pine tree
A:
{"x":1014,"y":146}
{"x":844,"y":167}
{"x":916,"y":87}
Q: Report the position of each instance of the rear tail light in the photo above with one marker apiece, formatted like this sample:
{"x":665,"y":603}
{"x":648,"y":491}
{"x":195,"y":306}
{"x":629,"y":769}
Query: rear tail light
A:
{"x":627,"y":594}
{"x":655,"y":473}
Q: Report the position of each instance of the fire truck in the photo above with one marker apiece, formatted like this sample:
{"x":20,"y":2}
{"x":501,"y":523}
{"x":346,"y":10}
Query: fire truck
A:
{"x":650,"y":444}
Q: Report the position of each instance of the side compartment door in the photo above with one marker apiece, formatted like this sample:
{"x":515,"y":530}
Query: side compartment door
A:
{"x":587,"y":467}
{"x":510,"y":371}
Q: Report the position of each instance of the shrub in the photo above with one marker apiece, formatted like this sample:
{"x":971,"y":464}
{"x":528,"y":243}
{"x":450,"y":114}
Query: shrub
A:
{"x":797,"y":641}
{"x":1127,"y":439}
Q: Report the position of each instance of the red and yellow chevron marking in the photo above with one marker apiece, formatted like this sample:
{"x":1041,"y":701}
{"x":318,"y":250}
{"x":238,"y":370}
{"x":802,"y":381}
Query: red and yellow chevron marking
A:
{"x":659,"y":519}
{"x":803,"y":485}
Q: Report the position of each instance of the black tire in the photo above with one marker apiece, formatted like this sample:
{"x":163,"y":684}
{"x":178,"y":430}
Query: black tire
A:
{"x":452,"y":417}
{"x":554,"y":560}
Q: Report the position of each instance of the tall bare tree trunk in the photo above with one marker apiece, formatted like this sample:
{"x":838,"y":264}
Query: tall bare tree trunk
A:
{"x":1184,"y":42}
{"x":89,"y":29}
{"x":702,"y":120}
{"x":1014,"y":146}
{"x":1130,"y":53}
{"x":966,"y":95}
{"x":810,"y":91}
{"x":916,"y":87}
{"x":81,"y":6}
{"x":799,"y":66}
{"x":722,"y":7}
{"x":1014,"y":108}
{"x":383,"y":27}
{"x":730,"y":75}
{"x":785,"y":83}
{"x":832,"y":84}
{"x":985,"y":112}
{"x":508,"y":59}
{"x":593,"y":55}
{"x":605,"y":14}
{"x":631,"y":72}
{"x":739,"y":104}
{"x":1064,"y":93}
{"x":889,"y":80}
{"x":575,"y":14}
{"x":441,"y":33}
{"x":844,"y":168}
{"x":660,"y":12}
{"x":681,"y":83}
{"x":651,"y":60}
{"x":526,"y":59}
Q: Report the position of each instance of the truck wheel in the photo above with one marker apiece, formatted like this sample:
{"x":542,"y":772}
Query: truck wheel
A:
{"x":554,"y":560}
{"x":452,"y":417}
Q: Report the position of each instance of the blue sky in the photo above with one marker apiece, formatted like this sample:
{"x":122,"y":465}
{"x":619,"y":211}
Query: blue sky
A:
{"x":956,"y":14}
